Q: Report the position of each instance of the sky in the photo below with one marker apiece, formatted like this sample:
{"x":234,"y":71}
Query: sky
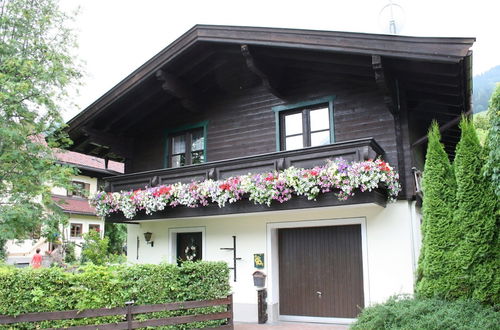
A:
{"x":117,"y":36}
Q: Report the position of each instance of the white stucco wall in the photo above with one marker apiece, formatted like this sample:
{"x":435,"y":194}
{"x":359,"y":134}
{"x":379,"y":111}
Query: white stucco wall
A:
{"x":389,"y":247}
{"x":81,"y":178}
{"x":85,"y":221}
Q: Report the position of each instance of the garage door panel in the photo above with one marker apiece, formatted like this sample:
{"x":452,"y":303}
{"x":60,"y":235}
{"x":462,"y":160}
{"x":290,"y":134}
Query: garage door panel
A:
{"x":321,"y":271}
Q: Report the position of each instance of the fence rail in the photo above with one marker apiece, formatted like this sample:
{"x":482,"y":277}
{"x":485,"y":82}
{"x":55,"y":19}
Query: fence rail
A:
{"x":130,"y":310}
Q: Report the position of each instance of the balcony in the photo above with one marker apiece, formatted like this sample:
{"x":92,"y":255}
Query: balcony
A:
{"x":355,"y":150}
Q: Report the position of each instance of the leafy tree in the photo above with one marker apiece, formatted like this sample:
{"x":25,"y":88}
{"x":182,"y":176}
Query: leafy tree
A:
{"x":117,"y":235}
{"x":95,"y":248}
{"x":440,"y":232}
{"x":36,"y":66}
{"x":482,"y":125}
{"x":477,"y":255}
{"x":492,"y":169}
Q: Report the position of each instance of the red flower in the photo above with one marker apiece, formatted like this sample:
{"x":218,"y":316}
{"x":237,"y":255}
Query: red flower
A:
{"x":270,"y":177}
{"x":313,"y":172}
{"x":383,"y":166}
{"x":162,"y":191}
{"x":225,"y":186}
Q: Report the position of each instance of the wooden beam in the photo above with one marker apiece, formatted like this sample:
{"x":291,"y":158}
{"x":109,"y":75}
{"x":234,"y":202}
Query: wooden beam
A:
{"x":383,"y":84}
{"x":178,"y":89}
{"x":422,"y":97}
{"x":443,"y":128}
{"x":314,"y":57}
{"x":118,"y":144}
{"x":130,"y":107}
{"x":353,"y":71}
{"x":426,"y":88}
{"x":428,"y":68}
{"x":257,"y":70}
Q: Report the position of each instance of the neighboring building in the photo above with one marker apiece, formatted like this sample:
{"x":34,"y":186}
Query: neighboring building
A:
{"x":82,"y":216}
{"x":225,"y":101}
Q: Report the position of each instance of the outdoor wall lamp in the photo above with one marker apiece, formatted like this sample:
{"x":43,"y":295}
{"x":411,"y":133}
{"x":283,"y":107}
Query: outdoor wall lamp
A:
{"x":147,"y":237}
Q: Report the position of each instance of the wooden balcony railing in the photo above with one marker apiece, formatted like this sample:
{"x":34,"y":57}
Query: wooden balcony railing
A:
{"x":354,"y":150}
{"x":357,"y":150}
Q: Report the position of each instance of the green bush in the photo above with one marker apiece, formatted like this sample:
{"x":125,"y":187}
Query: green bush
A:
{"x":69,"y":252}
{"x":95,"y":248}
{"x":51,"y":289}
{"x":407,"y":313}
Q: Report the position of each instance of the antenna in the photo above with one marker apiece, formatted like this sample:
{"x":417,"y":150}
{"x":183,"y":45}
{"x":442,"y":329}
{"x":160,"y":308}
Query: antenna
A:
{"x":391,"y":18}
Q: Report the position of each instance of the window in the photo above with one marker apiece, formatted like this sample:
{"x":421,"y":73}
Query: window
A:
{"x":307,"y":124}
{"x":187,"y":148}
{"x":186,"y":145}
{"x":95,"y":227}
{"x":75,"y":230}
{"x":81,"y":189}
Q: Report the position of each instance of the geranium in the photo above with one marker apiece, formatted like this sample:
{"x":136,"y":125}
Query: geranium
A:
{"x":337,"y":176}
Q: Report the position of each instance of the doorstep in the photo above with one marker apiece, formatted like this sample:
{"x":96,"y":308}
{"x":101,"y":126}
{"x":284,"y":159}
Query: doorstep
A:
{"x":289,"y":325}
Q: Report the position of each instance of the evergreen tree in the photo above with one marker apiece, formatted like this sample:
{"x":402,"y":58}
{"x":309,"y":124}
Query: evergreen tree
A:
{"x":493,"y":141}
{"x":477,"y":255}
{"x":440,"y":233}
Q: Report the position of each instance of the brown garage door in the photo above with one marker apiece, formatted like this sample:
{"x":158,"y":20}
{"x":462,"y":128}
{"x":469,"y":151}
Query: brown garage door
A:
{"x":321,"y":271}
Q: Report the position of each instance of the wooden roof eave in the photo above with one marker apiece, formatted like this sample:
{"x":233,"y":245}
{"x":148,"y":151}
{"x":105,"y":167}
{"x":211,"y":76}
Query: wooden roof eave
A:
{"x":450,"y":50}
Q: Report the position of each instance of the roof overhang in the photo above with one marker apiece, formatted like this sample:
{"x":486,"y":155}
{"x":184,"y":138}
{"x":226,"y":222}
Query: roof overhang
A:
{"x":450,"y":50}
{"x":436,"y":72}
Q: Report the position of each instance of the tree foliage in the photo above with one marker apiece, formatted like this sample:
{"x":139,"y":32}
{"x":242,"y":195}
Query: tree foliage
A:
{"x":117,"y":235}
{"x":95,"y":248}
{"x":477,"y":254}
{"x":492,"y":168}
{"x":440,"y":232}
{"x":36,"y":66}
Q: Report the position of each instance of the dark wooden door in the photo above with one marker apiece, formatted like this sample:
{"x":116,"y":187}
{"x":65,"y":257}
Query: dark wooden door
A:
{"x":321,"y":271}
{"x":189,"y":246}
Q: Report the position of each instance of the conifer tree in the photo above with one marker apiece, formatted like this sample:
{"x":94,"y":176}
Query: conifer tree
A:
{"x":440,"y":233}
{"x":477,"y":255}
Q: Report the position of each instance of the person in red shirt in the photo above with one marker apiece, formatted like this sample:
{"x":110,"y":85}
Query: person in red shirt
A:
{"x":36,"y":261}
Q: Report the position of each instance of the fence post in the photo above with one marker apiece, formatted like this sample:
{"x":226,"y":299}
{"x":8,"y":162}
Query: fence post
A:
{"x":230,"y":309}
{"x":129,"y":313}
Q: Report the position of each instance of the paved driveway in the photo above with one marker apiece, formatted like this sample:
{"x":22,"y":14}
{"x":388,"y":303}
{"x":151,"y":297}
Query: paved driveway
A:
{"x":289,"y":325}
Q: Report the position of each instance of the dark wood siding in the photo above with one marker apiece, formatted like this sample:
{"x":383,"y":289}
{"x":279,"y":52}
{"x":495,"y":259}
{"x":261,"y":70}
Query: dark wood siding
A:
{"x":243,"y":124}
{"x":321,"y":259}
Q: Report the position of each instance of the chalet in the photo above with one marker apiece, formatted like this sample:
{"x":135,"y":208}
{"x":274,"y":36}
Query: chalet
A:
{"x":221,"y":102}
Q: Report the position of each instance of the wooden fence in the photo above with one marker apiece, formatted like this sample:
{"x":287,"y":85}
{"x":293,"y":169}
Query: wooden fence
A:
{"x":130,"y":310}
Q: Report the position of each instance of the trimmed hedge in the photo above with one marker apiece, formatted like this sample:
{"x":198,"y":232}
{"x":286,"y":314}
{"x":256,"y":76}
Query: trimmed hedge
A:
{"x":53,"y":289}
{"x":429,"y":314}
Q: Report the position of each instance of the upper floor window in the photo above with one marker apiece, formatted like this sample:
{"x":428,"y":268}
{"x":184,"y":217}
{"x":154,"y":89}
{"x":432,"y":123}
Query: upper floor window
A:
{"x":307,"y":124}
{"x":75,"y":230}
{"x":81,"y":189}
{"x":187,"y":146}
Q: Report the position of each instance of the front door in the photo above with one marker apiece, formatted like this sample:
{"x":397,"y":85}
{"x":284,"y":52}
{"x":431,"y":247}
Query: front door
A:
{"x":321,"y":271}
{"x":189,"y":247}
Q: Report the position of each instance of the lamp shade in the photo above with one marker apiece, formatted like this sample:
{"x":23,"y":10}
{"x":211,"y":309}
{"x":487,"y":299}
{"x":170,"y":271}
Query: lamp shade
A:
{"x":147,"y":236}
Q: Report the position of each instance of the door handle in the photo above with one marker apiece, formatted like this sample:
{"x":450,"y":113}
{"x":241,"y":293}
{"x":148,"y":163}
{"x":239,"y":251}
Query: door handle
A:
{"x":319,"y":294}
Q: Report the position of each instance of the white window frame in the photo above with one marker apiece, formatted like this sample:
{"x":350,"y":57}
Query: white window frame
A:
{"x":172,"y":234}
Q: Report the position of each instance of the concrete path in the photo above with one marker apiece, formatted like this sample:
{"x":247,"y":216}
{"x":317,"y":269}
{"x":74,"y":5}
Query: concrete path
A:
{"x":289,"y":325}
